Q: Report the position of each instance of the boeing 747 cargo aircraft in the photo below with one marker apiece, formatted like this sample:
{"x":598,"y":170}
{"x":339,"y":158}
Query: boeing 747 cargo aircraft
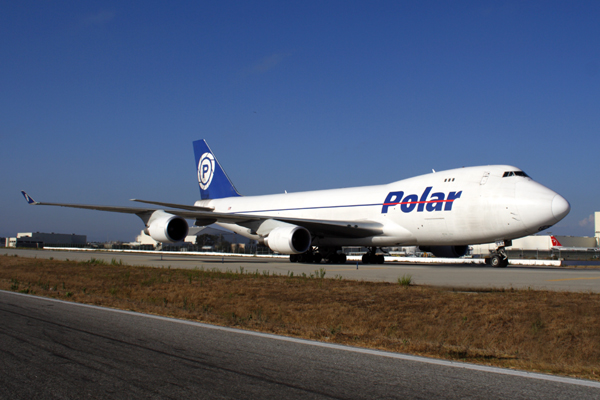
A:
{"x":442,"y":212}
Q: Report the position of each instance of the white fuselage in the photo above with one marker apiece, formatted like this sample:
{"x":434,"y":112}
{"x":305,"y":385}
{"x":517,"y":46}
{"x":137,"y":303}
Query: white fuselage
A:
{"x":454,"y":207}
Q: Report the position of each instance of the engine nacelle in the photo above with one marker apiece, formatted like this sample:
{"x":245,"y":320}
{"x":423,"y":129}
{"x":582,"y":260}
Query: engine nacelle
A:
{"x":446,"y":251}
{"x":290,"y":239}
{"x":165,"y":227}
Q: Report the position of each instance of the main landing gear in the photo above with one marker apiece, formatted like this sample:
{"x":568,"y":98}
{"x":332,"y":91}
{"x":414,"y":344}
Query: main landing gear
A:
{"x":372,"y":258}
{"x":331,"y":255}
{"x":498,"y":258}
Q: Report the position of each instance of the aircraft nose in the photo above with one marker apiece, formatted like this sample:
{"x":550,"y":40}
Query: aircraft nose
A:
{"x":560,"y":207}
{"x":539,"y":207}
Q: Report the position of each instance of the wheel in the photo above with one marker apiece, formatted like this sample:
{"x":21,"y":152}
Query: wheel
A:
{"x":317,"y":257}
{"x":380,"y":259}
{"x":495,"y":261}
{"x":342,"y":259}
{"x":334,"y":258}
{"x":293,"y":257}
{"x":498,"y":261}
{"x":305,"y":258}
{"x":366,"y":259}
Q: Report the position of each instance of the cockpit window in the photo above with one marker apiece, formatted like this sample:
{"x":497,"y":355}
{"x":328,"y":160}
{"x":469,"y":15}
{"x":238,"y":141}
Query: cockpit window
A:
{"x":515,"y":173}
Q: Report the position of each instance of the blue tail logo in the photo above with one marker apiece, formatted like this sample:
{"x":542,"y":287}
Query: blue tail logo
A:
{"x":206,"y":170}
{"x":212,"y":180}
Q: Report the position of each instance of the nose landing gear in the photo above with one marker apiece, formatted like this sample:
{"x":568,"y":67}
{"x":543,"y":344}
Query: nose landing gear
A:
{"x":498,"y":258}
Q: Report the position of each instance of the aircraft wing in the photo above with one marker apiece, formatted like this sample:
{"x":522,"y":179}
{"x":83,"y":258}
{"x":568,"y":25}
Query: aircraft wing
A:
{"x":352,"y":229}
{"x":126,"y":210}
{"x":203,"y":216}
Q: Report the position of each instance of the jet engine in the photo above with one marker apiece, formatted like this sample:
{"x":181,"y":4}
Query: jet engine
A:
{"x":446,"y":251}
{"x":290,"y":239}
{"x":165,"y":227}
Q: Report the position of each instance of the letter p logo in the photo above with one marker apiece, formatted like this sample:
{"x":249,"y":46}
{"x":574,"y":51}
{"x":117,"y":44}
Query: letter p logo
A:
{"x":206,"y":170}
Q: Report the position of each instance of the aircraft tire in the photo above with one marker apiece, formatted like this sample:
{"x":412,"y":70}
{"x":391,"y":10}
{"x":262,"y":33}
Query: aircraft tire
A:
{"x":380,"y":259}
{"x":366,"y":259}
{"x":498,"y":261}
{"x":305,"y":258}
{"x":293,"y":257}
{"x":317,"y":257}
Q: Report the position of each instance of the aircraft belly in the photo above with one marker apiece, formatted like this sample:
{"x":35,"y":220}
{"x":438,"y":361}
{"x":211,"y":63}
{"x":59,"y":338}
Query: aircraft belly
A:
{"x":434,"y":230}
{"x":378,"y":241}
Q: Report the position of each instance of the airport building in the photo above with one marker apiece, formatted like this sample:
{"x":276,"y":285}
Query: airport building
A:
{"x":597,"y":220}
{"x":143,"y":239}
{"x":39,"y":240}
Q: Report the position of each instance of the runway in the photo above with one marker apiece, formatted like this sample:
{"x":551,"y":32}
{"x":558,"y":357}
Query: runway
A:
{"x":57,"y":349}
{"x":462,"y":276}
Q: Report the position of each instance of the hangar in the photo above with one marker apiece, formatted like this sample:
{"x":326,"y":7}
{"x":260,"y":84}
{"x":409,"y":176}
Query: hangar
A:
{"x":39,"y":240}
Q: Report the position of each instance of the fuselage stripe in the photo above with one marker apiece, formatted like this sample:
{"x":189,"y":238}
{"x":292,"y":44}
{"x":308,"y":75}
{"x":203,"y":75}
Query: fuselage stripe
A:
{"x":344,"y":206}
{"x":309,"y":208}
{"x":419,"y":202}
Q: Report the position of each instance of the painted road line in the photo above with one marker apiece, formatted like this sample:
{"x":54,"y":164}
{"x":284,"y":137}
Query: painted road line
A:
{"x":572,"y":279}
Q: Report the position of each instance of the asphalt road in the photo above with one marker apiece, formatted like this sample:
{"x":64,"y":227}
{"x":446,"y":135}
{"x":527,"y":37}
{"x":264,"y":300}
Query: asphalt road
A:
{"x":458,"y":275}
{"x":52,"y":349}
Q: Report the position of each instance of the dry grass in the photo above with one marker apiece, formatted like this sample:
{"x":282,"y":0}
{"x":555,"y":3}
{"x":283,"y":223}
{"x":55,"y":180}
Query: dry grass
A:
{"x":543,"y":331}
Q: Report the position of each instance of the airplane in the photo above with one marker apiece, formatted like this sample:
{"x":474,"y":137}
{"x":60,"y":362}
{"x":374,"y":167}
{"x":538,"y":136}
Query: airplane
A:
{"x":555,"y":242}
{"x":441,"y":212}
{"x":556,"y":245}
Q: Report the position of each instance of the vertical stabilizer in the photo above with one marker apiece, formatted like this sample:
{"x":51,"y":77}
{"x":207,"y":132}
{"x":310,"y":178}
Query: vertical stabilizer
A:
{"x":555,"y":242}
{"x":212,"y":180}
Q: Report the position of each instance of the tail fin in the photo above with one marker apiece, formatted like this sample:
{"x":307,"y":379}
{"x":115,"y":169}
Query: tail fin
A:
{"x":555,"y":242}
{"x":213,"y":181}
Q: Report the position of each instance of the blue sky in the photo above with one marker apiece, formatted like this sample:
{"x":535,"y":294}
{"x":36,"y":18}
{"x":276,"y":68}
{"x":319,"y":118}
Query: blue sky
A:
{"x":100,"y":101}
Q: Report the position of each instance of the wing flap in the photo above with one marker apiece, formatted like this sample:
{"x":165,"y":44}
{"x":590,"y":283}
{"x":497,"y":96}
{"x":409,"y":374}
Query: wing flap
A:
{"x":173,"y":205}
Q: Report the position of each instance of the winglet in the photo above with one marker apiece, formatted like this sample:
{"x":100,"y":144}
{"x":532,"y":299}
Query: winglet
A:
{"x":28,"y":198}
